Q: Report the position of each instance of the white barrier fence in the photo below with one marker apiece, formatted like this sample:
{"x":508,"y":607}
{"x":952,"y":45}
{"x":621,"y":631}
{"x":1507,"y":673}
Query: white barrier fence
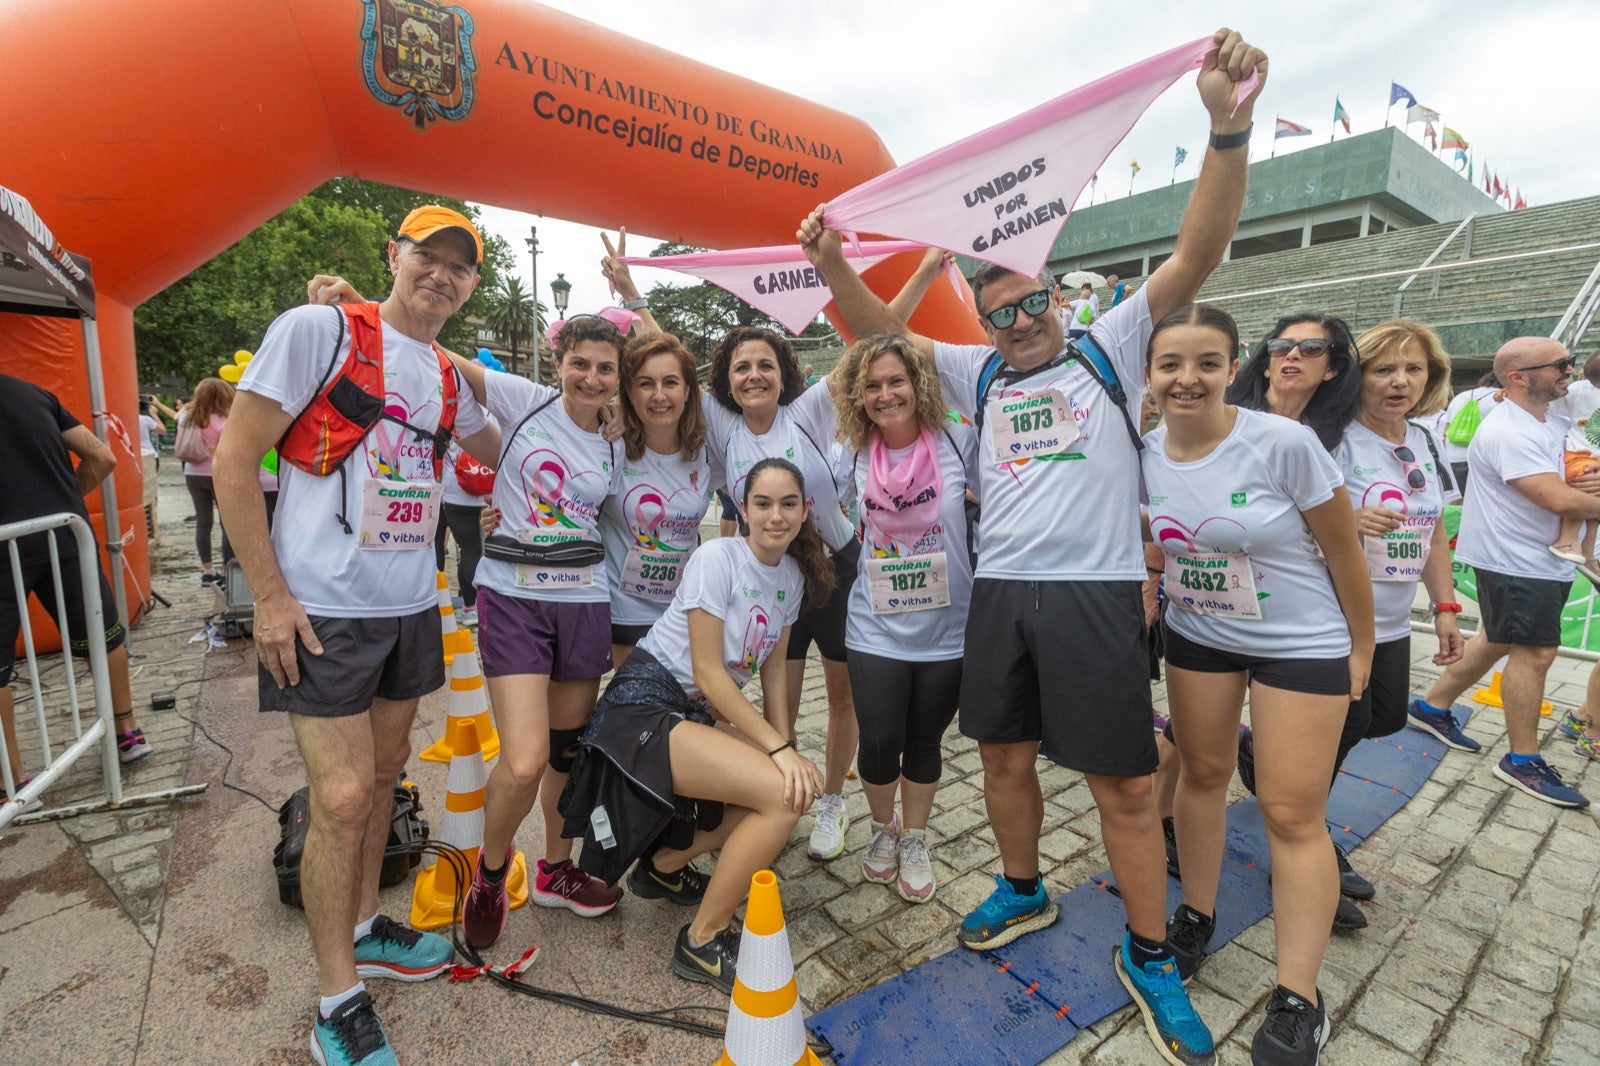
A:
{"x":100,"y":732}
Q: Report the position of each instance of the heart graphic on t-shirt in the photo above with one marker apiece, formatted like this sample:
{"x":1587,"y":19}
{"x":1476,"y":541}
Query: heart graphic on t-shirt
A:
{"x":1165,"y":528}
{"x":649,"y":512}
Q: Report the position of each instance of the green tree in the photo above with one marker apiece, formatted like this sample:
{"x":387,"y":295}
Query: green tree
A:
{"x":514,"y":315}
{"x":194,"y":326}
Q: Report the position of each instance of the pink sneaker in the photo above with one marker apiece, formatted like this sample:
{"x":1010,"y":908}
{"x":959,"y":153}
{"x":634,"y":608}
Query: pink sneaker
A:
{"x":564,"y":885}
{"x":483,"y":916}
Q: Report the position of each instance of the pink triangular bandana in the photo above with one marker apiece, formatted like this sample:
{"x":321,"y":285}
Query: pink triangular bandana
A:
{"x":1003,"y":194}
{"x":778,"y":281}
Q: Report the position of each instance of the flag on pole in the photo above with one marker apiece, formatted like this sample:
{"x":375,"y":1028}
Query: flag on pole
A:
{"x":1285,"y":128}
{"x":1179,"y":156}
{"x":1340,"y":115}
{"x":1135,"y":166}
{"x":1452,"y":139}
{"x":1419,"y":113}
{"x":1462,"y":158}
{"x":1431,"y":135}
{"x":1521,"y":203}
{"x":1498,"y":189}
{"x":1486,"y":187}
{"x":1398,"y":92}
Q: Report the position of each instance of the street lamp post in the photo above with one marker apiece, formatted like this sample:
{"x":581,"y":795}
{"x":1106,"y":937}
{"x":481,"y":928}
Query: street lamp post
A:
{"x":560,"y":293}
{"x":532,"y":242}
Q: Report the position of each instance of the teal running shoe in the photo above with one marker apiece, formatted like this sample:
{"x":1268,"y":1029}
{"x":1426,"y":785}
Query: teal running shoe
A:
{"x":1004,"y":916}
{"x":1170,"y":1019}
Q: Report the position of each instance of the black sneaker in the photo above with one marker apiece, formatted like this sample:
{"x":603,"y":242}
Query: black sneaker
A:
{"x":1351,"y":883}
{"x":684,"y":887}
{"x":1247,"y":759}
{"x":1171,"y":834}
{"x":211,"y":579}
{"x":1188,"y":933}
{"x":713,"y":963}
{"x":1293,"y":1034}
{"x":1347,"y":917}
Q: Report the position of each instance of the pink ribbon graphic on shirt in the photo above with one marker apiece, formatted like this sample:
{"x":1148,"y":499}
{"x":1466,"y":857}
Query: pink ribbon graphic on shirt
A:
{"x":649,"y":510}
{"x":391,"y":441}
{"x":546,"y":489}
{"x":1389,"y":495}
{"x":1003,"y":194}
{"x":755,"y":637}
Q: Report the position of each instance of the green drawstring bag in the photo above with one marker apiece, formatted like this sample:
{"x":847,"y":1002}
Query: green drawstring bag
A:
{"x":1465,"y":423}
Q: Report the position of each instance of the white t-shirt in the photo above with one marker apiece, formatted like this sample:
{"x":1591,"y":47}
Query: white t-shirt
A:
{"x":1072,"y":516}
{"x":656,"y":511}
{"x":1578,"y":407}
{"x":801,"y":433}
{"x":324,"y":569}
{"x":1247,"y":496}
{"x":936,"y":634}
{"x":1485,"y":399}
{"x":1501,"y":529}
{"x":756,"y":603}
{"x":1374,"y":477}
{"x":552,"y":480}
{"x":149,"y":433}
{"x":1072,"y":317}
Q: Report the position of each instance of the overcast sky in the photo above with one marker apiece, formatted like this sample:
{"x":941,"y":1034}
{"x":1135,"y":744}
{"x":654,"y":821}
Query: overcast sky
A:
{"x":1517,"y":80}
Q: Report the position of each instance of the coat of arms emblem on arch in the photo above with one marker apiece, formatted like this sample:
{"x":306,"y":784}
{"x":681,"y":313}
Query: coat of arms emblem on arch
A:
{"x":417,"y":56}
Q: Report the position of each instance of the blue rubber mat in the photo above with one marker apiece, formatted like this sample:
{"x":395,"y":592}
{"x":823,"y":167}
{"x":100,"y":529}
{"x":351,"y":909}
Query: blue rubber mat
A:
{"x":1020,"y":1004}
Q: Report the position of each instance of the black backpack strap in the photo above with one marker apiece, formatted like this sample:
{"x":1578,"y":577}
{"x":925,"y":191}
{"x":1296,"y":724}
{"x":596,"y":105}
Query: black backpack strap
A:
{"x":1093,"y":359}
{"x":507,"y":440}
{"x":1446,"y":475}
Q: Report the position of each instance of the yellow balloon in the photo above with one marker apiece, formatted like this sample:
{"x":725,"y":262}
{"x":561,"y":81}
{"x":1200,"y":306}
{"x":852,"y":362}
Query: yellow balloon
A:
{"x":242,"y":357}
{"x":230,"y":373}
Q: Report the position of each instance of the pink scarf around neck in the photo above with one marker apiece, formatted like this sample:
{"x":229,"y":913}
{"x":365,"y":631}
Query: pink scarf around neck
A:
{"x":901,"y":501}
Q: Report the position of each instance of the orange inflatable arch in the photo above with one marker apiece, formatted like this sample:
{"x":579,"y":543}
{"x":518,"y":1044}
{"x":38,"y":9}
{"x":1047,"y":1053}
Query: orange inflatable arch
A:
{"x":151,"y":136}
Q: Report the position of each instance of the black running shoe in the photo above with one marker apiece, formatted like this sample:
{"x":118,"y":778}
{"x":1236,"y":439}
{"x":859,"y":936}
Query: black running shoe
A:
{"x":1247,"y":759}
{"x":1293,"y":1034}
{"x":713,"y":963}
{"x":1171,"y":834}
{"x":1351,"y":883}
{"x":1188,"y":933}
{"x":1347,"y":917}
{"x":684,"y":887}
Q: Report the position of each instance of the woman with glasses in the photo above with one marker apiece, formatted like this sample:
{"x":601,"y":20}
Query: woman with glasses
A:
{"x":1398,"y":486}
{"x":1268,"y":594}
{"x":763,"y":409}
{"x":909,"y":469}
{"x":1304,"y":370}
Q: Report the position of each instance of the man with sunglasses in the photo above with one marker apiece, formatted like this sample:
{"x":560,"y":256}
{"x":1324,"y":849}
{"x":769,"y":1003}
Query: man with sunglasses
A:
{"x":346,"y":614}
{"x":1514,"y":505}
{"x":1056,"y":660}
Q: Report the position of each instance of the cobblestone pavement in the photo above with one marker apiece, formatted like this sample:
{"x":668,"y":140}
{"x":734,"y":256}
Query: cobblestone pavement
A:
{"x":1482,"y":944}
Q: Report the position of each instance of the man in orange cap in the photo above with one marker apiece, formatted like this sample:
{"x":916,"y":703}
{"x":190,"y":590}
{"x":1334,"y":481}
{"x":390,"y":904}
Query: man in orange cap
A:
{"x":346,"y":618}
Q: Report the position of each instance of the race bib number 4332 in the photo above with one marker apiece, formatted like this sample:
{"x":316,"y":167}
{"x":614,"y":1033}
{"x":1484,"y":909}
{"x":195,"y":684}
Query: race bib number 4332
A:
{"x":1218,"y":583}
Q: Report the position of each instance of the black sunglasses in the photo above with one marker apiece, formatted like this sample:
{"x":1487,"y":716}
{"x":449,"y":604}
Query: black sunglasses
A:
{"x":1005,"y":315}
{"x":1310,"y":348}
{"x":1563,"y":365}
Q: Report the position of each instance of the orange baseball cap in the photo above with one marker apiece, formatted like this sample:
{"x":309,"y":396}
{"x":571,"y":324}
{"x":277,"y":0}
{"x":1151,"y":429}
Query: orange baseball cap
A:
{"x":429,"y":219}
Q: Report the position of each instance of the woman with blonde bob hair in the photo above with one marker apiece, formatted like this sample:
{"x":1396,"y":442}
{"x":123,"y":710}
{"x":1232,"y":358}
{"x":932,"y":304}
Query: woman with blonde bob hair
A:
{"x":907,"y":614}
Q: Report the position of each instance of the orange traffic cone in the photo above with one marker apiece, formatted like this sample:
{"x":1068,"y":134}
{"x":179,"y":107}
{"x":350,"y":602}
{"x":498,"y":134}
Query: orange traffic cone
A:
{"x":447,"y":621}
{"x":765,"y":1025}
{"x":433,"y":897}
{"x":467,"y":703}
{"x":1490,"y":697}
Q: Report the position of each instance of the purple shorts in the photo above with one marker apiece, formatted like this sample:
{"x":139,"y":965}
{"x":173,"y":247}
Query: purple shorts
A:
{"x":567,"y":641}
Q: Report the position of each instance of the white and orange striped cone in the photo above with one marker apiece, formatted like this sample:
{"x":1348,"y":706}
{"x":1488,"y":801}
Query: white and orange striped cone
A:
{"x":765,"y":1026}
{"x":433,"y":896}
{"x":447,"y":621}
{"x":468,"y":702}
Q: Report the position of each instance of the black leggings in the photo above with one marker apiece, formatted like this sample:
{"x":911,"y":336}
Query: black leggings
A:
{"x":462,"y":521}
{"x":205,"y":502}
{"x":903,"y":709}
{"x":1381,"y":710}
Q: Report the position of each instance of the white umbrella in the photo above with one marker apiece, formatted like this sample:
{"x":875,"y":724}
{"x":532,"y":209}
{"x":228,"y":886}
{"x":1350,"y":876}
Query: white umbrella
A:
{"x":1077,"y":279}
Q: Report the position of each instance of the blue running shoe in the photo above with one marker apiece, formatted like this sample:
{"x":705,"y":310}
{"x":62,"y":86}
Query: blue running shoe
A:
{"x":1169,"y":1017}
{"x":352,"y":1034}
{"x":1004,"y":916}
{"x":401,"y":953}
{"x":1541,"y":781}
{"x":1444,"y":726}
{"x":1572,"y":726}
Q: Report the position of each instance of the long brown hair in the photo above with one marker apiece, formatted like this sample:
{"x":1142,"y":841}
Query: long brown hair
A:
{"x":807,"y":547}
{"x":850,"y":399}
{"x":212,"y":396}
{"x":691,"y":424}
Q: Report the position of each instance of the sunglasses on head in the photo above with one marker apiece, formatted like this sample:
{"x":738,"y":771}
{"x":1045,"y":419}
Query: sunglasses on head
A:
{"x":1416,"y":480}
{"x":1310,"y":348}
{"x":1004,"y":316}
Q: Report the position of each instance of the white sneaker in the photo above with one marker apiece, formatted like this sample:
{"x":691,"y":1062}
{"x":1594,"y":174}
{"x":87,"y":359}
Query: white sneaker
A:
{"x":916,"y":869}
{"x":467,"y":616}
{"x":827,"y":835}
{"x":883,"y":854}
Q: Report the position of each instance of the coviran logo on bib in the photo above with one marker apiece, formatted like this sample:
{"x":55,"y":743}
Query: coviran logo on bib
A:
{"x":417,"y":56}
